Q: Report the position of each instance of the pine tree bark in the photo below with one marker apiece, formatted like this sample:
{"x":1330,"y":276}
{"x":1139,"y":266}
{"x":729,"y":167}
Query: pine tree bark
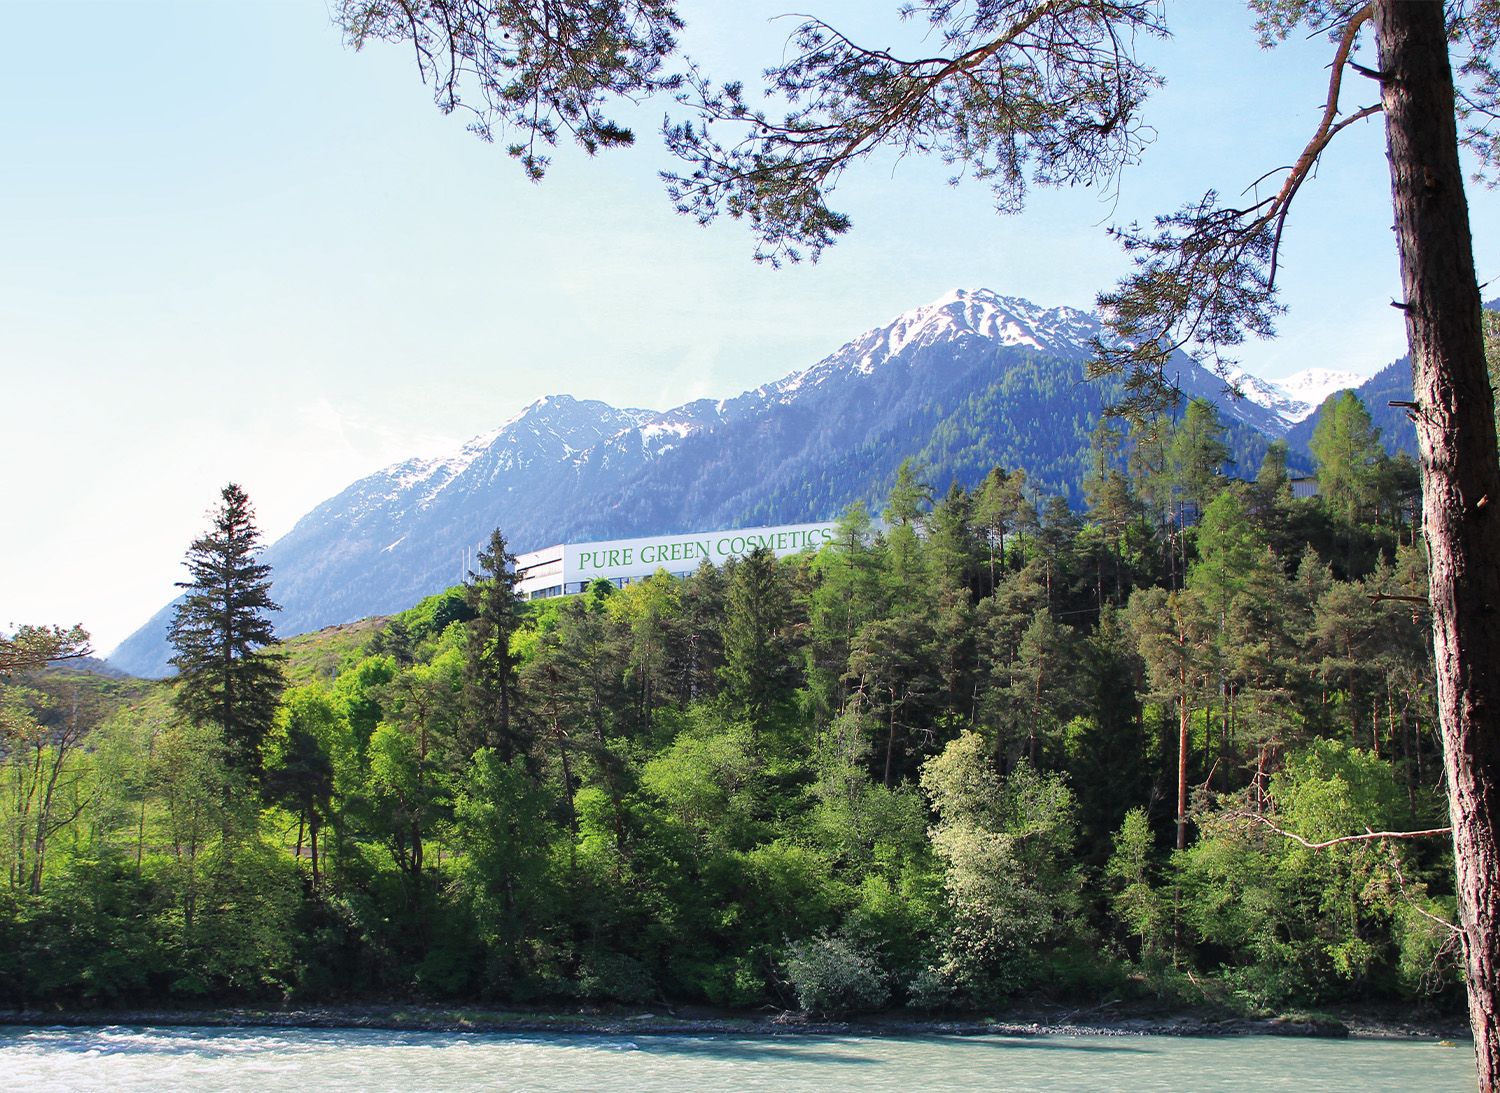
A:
{"x":1460,"y":473}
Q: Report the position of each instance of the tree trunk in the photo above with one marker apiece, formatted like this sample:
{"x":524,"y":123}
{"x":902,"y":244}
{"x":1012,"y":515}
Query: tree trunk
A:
{"x":1182,"y":762}
{"x":312,"y":842}
{"x":1460,"y":473}
{"x":567,"y":773}
{"x":890,"y":744}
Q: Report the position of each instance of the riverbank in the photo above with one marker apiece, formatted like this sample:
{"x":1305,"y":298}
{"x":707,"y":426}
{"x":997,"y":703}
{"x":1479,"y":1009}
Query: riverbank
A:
{"x":1110,"y":1019}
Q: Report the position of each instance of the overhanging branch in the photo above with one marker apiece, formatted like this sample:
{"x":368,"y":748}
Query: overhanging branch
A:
{"x":1207,"y":275}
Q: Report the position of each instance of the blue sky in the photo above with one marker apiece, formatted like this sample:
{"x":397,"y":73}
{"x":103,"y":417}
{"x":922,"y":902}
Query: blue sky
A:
{"x":232,"y":248}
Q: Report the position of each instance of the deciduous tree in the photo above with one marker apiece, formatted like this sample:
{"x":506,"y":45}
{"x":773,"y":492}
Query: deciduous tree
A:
{"x":33,"y":646}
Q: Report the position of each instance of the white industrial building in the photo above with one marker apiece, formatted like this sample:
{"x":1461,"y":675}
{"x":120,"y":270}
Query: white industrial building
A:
{"x":572,"y":567}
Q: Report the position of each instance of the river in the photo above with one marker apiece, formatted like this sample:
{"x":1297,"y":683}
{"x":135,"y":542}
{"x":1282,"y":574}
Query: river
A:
{"x":202,"y":1060}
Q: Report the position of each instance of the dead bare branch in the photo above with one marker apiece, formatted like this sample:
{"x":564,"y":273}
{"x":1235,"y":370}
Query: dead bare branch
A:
{"x":1368,"y":836}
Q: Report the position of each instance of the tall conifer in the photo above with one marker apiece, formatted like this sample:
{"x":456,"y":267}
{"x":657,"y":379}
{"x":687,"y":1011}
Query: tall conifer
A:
{"x":489,"y":665}
{"x":223,"y":633}
{"x":1346,"y":443}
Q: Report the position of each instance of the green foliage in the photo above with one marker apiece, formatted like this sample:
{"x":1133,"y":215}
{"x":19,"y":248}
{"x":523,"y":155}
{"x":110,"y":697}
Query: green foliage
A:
{"x":1007,"y":104}
{"x":1229,"y":549}
{"x":490,"y":664}
{"x":614,"y":977}
{"x":1139,"y":904}
{"x":90,"y":940}
{"x":527,"y":73}
{"x":500,"y":822}
{"x":312,"y":748}
{"x":1307,"y":926}
{"x":859,"y":820}
{"x":1006,"y":843}
{"x":433,"y":615}
{"x":236,"y":936}
{"x":758,"y":667}
{"x":929,"y":765}
{"x":708,"y":782}
{"x":1198,"y":454}
{"x":35,"y":646}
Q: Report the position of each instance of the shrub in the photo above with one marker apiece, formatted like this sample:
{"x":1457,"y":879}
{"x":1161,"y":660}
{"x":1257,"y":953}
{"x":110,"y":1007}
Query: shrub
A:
{"x":834,"y":977}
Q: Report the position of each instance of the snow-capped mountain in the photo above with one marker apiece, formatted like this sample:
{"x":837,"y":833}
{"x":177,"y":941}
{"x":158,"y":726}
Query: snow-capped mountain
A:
{"x":1299,"y":395}
{"x":1060,"y":332}
{"x":983,"y":317}
{"x":968,"y":382}
{"x":1313,"y":385}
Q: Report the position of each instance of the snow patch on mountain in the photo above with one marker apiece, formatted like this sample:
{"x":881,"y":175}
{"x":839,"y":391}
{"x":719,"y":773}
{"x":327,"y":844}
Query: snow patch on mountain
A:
{"x":1265,"y":393}
{"x":428,"y":476}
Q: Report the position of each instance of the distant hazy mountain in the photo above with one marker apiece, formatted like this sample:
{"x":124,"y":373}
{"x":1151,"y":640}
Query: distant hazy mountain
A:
{"x":966,"y":383}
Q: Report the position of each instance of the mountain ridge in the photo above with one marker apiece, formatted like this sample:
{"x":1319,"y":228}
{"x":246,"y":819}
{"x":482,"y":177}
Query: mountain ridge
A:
{"x":974,"y":379}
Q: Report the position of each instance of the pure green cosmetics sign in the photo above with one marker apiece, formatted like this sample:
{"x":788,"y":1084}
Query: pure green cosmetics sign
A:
{"x":683,"y":553}
{"x":543,"y":571}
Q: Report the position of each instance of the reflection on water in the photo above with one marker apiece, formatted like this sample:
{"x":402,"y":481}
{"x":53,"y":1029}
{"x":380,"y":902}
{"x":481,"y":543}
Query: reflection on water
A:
{"x":133,"y":1060}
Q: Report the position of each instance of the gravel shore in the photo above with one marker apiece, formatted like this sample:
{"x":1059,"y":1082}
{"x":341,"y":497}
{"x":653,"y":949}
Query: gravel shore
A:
{"x":1108,"y":1020}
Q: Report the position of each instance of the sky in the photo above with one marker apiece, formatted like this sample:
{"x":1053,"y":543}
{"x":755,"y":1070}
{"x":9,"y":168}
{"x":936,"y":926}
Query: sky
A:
{"x":234,"y":249}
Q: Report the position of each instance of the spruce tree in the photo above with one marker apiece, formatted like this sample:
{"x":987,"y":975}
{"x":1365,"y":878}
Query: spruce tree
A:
{"x":222,"y":632}
{"x":489,"y":664}
{"x":758,"y":667}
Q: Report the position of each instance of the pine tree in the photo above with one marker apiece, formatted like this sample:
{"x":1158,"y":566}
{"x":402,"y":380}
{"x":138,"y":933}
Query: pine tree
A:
{"x":1171,"y":632}
{"x":1003,"y":508}
{"x":911,"y":499}
{"x":1112,"y":504}
{"x":228,"y":676}
{"x":952,"y":543}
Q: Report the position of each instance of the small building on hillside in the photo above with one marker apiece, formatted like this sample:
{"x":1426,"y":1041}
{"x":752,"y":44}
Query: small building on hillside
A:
{"x":570,"y":567}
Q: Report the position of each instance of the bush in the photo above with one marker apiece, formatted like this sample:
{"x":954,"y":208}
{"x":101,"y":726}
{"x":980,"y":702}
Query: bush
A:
{"x":833,"y":977}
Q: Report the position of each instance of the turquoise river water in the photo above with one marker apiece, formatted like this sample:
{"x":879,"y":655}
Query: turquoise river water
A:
{"x":168,"y":1060}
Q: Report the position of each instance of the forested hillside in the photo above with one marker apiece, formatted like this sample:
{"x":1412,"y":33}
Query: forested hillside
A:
{"x":946,"y":764}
